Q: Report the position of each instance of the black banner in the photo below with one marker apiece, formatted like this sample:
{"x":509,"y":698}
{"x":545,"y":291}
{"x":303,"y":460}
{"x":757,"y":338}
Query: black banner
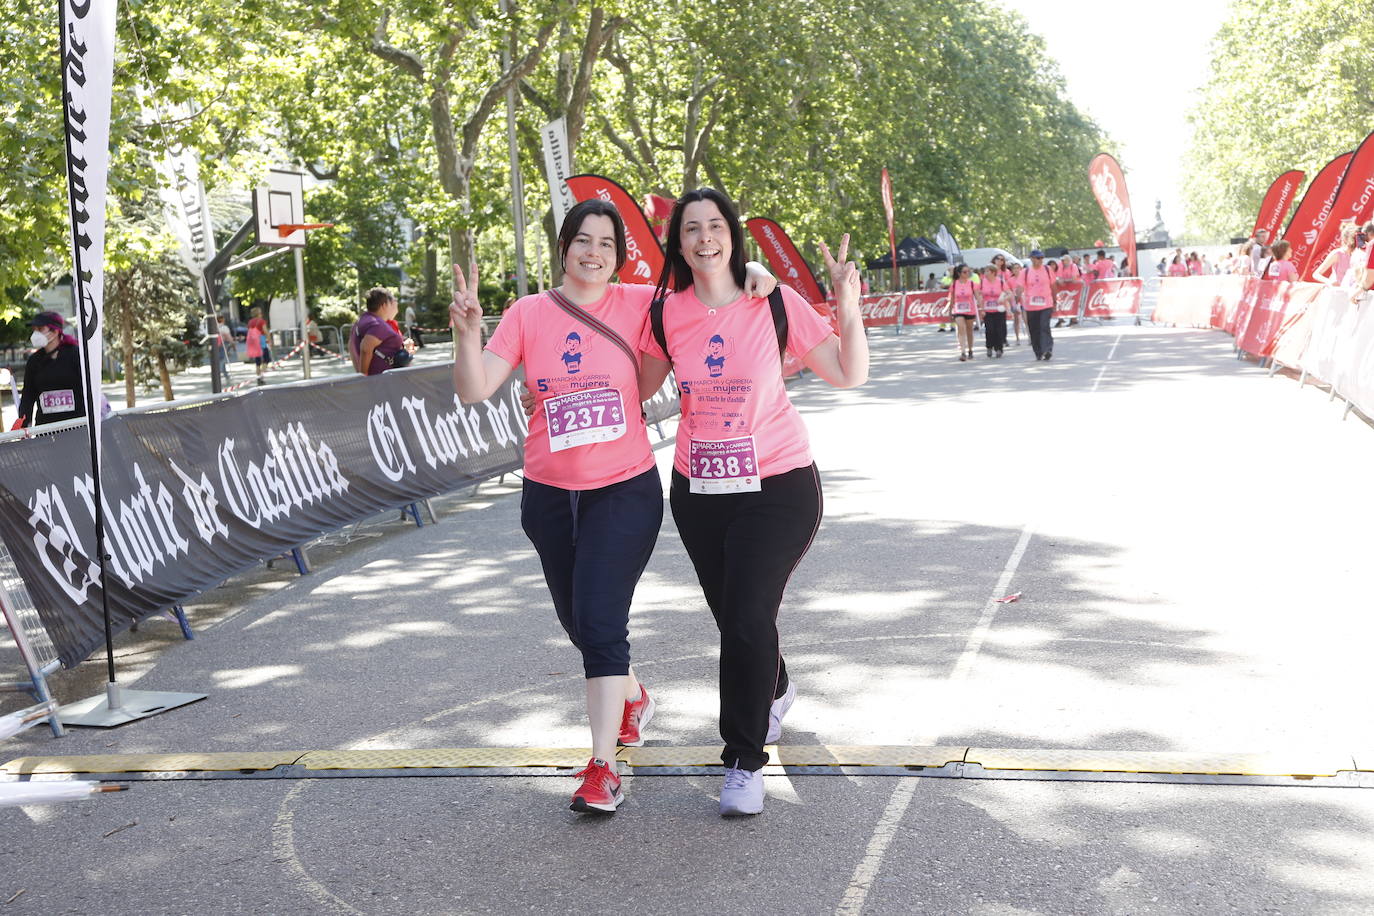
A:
{"x":196,"y":493}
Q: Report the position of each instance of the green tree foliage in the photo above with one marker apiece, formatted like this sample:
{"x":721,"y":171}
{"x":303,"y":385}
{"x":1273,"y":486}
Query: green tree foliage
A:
{"x":1288,"y":88}
{"x":397,"y":109}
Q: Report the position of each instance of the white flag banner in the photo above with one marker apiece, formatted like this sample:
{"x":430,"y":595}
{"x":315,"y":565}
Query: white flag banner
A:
{"x":946,"y":241}
{"x":88,"y":41}
{"x":184,"y":203}
{"x":557,"y":168}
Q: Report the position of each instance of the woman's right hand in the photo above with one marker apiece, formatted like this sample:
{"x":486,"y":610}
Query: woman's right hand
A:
{"x":465,"y":312}
{"x":527,"y":401}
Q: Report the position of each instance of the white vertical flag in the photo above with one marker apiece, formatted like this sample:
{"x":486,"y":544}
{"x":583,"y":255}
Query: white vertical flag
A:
{"x":88,"y":40}
{"x":184,"y":202}
{"x":557,"y":168}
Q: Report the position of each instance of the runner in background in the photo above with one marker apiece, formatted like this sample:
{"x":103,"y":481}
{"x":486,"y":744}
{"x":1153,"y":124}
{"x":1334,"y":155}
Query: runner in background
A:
{"x":994,"y":296}
{"x":1177,"y":268}
{"x":964,"y":309}
{"x":1039,"y":294}
{"x":1104,"y":268}
{"x":746,"y":495}
{"x":1335,"y":268}
{"x":258,"y":347}
{"x":592,"y":500}
{"x":1016,"y":283}
{"x":1194,"y":264}
{"x":54,"y":384}
{"x":1279,"y":267}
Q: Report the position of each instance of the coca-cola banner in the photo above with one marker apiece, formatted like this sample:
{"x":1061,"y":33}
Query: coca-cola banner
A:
{"x":1117,"y":297}
{"x":1354,"y":202}
{"x":644,"y":257}
{"x":1278,"y":200}
{"x":1068,"y":298}
{"x":195,"y":494}
{"x":889,"y":309}
{"x":926,"y":308}
{"x":1109,"y":187}
{"x":1199,"y":302}
{"x":787,"y":263}
{"x":1274,"y":304}
{"x":1313,"y":209}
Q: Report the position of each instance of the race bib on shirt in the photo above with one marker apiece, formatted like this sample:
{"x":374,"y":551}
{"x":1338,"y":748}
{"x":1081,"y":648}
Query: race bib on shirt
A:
{"x":584,"y":417}
{"x":963,"y":307}
{"x":1038,"y":301}
{"x":63,"y":400}
{"x":724,"y":466}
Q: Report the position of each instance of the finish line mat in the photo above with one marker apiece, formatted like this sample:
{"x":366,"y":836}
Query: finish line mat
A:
{"x":957,"y":762}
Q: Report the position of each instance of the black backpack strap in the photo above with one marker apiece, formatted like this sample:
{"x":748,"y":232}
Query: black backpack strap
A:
{"x":656,"y":325}
{"x":779,"y":319}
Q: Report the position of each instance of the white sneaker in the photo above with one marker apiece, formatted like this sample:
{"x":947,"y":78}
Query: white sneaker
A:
{"x":742,"y":792}
{"x":778,"y":710}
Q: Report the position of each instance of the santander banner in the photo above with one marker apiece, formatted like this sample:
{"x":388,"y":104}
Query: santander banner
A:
{"x":787,"y":263}
{"x":1109,"y":186}
{"x":644,"y":257}
{"x":1117,"y":296}
{"x":1313,"y":209}
{"x":1354,"y":201}
{"x":1277,"y":201}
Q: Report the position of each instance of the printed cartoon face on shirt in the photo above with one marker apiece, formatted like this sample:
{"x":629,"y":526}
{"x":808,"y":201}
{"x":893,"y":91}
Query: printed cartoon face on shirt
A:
{"x":574,"y":346}
{"x":716,"y":351}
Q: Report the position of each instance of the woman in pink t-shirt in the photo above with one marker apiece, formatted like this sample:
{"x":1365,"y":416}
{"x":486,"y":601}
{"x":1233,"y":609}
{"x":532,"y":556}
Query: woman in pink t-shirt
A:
{"x":592,"y":500}
{"x":1177,"y":268}
{"x":746,"y":495}
{"x":1016,"y":283}
{"x":1335,"y":267}
{"x":1279,"y":267}
{"x":963,"y":306}
{"x":994,"y":296}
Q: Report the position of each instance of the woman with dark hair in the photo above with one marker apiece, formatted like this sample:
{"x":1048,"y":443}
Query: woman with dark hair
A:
{"x":1279,"y":267}
{"x":258,"y":346}
{"x":1177,"y":268}
{"x":994,"y":295}
{"x":745,"y":493}
{"x":964,"y":308}
{"x":376,"y":345}
{"x":592,"y":500}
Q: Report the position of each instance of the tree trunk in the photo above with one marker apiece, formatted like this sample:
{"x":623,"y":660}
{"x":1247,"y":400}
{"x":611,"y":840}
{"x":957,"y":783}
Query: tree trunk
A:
{"x":431,"y":281}
{"x":165,"y":376}
{"x":126,"y":339}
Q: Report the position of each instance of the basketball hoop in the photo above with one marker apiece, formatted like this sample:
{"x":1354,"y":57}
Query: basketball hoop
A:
{"x":286,"y":229}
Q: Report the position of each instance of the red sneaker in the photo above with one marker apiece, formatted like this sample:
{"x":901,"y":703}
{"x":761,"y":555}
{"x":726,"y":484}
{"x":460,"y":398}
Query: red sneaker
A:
{"x":637,"y":715}
{"x":600,"y":790}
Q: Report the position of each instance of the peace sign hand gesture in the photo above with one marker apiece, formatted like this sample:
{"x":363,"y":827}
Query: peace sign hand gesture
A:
{"x":844,"y":274}
{"x":465,"y":312}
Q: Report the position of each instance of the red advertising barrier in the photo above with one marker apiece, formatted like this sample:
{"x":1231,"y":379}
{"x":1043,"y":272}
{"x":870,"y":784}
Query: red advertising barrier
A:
{"x":1119,"y":296}
{"x":1201,"y":302}
{"x":927,"y":308}
{"x":881,"y":310}
{"x":1275,"y":305}
{"x":1068,"y":297}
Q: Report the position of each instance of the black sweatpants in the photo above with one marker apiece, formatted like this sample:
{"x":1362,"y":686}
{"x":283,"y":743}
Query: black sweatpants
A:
{"x":594,"y":545}
{"x":995,"y":330}
{"x":1038,"y":327}
{"x":744,"y":547}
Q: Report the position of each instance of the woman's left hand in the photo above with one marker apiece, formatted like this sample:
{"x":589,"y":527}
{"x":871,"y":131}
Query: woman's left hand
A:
{"x":844,"y":275}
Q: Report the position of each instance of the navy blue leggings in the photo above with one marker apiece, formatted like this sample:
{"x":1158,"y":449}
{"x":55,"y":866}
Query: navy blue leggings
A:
{"x":594,"y":545}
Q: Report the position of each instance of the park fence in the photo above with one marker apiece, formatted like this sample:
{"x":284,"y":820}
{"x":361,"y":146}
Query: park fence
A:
{"x":1314,"y":329}
{"x":197,"y":491}
{"x":1115,"y":298}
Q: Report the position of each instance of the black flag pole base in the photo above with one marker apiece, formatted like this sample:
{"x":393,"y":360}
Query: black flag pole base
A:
{"x":119,"y":706}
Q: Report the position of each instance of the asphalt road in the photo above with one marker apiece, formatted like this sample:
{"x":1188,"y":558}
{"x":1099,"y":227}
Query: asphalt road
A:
{"x":1188,"y":538}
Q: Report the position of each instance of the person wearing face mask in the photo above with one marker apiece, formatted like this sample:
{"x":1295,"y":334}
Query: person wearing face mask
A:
{"x":376,"y":345}
{"x":54,"y":387}
{"x":745,"y":493}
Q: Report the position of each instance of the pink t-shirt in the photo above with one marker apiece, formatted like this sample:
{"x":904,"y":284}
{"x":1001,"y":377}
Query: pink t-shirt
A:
{"x":963,"y":297}
{"x":730,"y":378}
{"x":562,"y":356}
{"x":1104,"y":269}
{"x":1194,"y":268}
{"x":1016,"y":282}
{"x":1069,"y":271}
{"x":1038,"y":292}
{"x":1281,"y":270}
{"x":1178,"y":270}
{"x":992,"y":294}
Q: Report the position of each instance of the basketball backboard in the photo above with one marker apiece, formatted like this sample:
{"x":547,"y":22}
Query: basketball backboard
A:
{"x":281,"y":201}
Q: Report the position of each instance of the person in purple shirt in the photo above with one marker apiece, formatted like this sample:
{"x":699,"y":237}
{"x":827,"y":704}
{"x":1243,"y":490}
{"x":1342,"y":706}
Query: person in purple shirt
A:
{"x":376,"y":346}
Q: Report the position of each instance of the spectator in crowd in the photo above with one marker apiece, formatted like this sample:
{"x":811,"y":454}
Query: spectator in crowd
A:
{"x":54,"y":387}
{"x":1334,"y":269}
{"x":1259,"y":252}
{"x":1194,"y":264}
{"x":1176,"y":267}
{"x":1362,"y":271}
{"x":1279,"y":267}
{"x":1069,"y":271}
{"x":375,"y":344}
{"x":1104,"y":268}
{"x":412,"y":330}
{"x":258,"y":349}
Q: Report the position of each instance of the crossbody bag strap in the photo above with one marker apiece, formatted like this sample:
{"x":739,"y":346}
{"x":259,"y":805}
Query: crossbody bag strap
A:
{"x":775,"y":303}
{"x":596,"y":324}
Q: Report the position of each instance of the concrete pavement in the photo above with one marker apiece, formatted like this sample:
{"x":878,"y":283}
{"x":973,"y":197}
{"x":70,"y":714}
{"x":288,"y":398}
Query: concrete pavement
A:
{"x":1184,"y":531}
